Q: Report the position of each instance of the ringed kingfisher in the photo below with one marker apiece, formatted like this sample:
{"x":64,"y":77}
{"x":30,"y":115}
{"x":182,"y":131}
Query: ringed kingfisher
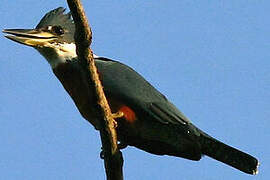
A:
{"x":150,"y":121}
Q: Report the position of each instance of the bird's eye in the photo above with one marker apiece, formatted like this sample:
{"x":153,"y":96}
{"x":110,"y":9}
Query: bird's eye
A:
{"x":58,"y":30}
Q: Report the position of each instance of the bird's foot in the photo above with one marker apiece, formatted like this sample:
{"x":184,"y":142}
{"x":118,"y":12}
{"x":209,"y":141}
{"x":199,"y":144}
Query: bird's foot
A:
{"x":121,"y":145}
{"x":116,"y":115}
{"x":101,"y":154}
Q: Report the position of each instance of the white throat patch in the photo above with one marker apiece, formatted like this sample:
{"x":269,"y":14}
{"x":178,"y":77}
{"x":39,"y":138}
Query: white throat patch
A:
{"x":56,"y":54}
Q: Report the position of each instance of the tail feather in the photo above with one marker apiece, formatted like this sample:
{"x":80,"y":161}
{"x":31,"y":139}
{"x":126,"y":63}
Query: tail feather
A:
{"x":228,"y":155}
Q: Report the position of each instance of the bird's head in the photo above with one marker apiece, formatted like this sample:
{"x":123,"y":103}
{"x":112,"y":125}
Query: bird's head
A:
{"x":53,"y":37}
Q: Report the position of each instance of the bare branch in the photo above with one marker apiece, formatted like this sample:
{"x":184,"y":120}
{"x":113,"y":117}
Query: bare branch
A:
{"x":83,"y":38}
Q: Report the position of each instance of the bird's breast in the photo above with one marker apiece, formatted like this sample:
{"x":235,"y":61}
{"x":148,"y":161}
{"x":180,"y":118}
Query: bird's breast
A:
{"x":74,"y":79}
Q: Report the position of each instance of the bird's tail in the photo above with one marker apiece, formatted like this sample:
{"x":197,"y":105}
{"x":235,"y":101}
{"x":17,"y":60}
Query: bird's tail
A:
{"x":228,"y":155}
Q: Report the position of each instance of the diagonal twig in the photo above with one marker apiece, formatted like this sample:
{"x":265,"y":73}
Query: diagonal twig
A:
{"x":83,"y":37}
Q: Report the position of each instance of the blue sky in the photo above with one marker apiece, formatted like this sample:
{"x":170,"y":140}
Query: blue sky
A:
{"x":210,"y":58}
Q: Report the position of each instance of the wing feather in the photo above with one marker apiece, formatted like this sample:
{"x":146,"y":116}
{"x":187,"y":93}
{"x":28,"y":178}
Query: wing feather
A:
{"x":127,"y":85}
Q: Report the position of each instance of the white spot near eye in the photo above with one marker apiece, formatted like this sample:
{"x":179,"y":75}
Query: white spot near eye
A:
{"x":49,"y":28}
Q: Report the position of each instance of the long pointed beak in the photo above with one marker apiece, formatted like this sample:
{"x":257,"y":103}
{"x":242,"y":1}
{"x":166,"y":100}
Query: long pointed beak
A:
{"x":30,"y":37}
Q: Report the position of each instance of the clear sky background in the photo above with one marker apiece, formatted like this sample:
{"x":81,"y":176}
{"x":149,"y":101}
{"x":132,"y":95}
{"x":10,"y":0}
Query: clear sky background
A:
{"x":210,"y":58}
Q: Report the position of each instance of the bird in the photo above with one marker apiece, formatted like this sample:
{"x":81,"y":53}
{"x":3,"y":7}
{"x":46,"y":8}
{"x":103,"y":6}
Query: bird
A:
{"x":149,"y":121}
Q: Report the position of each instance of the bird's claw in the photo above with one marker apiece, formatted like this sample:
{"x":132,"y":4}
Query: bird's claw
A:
{"x":101,"y":155}
{"x":116,"y":115}
{"x":121,"y":145}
